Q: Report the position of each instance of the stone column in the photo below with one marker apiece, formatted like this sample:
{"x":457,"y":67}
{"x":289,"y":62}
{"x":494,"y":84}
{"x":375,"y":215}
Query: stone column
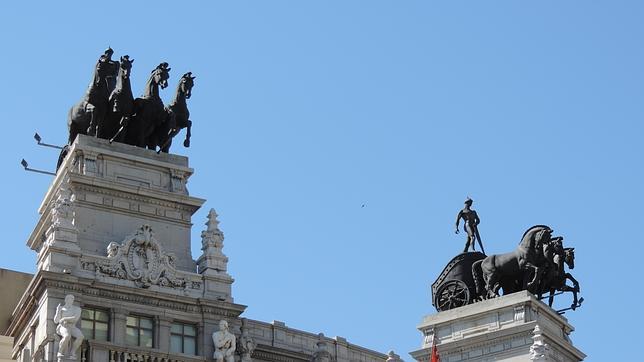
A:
{"x":118,"y":326}
{"x":163,"y":340}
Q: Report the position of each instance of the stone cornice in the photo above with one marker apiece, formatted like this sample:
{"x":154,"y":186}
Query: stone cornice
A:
{"x":152,"y":196}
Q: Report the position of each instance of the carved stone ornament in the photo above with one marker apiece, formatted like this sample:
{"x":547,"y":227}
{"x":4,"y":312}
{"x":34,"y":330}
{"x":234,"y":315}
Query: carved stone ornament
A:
{"x":212,"y":243}
{"x":62,"y":212}
{"x":246,"y":343}
{"x":141,"y":259}
{"x":539,"y":348}
{"x":321,"y":353}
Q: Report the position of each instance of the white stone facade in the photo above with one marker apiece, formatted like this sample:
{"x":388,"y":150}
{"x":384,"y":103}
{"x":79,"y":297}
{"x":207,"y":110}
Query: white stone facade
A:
{"x":515,"y":327}
{"x":114,"y":232}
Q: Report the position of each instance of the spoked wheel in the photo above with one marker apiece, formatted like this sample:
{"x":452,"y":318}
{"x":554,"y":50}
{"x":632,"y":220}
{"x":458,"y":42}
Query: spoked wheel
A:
{"x":452,"y":294}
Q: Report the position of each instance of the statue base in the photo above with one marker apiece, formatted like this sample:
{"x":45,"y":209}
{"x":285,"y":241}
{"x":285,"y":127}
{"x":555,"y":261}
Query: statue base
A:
{"x":515,"y":327}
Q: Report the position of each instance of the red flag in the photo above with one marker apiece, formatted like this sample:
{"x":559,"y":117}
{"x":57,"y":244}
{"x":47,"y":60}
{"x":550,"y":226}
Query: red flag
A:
{"x":434,"y":357}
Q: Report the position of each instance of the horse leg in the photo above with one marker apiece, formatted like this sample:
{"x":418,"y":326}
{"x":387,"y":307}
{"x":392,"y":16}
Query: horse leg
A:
{"x":574,"y":281}
{"x":551,"y":298}
{"x":186,"y":143}
{"x":537,"y":275}
{"x":492,"y":285}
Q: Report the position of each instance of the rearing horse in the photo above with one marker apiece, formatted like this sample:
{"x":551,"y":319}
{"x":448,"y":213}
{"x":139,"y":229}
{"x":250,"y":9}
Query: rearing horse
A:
{"x":89,"y":112}
{"x":149,"y":112}
{"x":178,"y":117}
{"x":509,"y":269}
{"x":556,"y":275}
{"x":121,"y":102}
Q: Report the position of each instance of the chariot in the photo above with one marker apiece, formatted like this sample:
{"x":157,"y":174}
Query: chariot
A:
{"x":455,"y":286}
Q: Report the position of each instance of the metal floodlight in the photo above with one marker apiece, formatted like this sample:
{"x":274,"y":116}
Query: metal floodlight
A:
{"x":24,"y":164}
{"x":40,"y":143}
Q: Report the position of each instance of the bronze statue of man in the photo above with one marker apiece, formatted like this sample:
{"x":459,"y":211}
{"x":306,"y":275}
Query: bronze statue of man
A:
{"x":470,"y":225}
{"x":106,"y":57}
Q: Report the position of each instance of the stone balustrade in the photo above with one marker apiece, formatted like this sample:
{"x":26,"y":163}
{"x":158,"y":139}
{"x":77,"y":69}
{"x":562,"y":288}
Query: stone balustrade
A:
{"x":105,"y":351}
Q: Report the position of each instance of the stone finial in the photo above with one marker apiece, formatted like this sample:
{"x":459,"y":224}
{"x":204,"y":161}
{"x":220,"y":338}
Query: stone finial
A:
{"x":321,"y":353}
{"x":246,"y":343}
{"x":212,"y":239}
{"x":212,"y":224}
{"x":393,"y":357}
{"x":539,"y":348}
{"x":212,"y":244}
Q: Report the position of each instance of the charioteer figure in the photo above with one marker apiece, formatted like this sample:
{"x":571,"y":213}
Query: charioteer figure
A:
{"x":470,"y":225}
{"x":106,"y":57}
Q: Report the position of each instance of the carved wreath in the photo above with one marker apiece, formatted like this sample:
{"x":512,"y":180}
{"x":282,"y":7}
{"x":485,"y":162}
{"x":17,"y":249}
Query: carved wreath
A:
{"x":140,"y":258}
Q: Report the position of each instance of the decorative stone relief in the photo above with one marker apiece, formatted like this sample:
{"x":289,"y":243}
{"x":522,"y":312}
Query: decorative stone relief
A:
{"x":538,"y":349}
{"x":178,"y":181}
{"x":90,"y":164}
{"x":519,"y":313}
{"x":428,"y":340}
{"x":62,"y":230}
{"x":246,"y":343}
{"x":141,"y":259}
{"x":62,"y":212}
{"x":212,"y":244}
{"x":321,"y":353}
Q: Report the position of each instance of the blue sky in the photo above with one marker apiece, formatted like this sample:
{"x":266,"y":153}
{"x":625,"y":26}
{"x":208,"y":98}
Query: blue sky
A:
{"x":305,"y":111}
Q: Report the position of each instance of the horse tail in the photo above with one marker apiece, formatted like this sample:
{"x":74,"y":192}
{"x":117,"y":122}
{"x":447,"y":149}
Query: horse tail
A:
{"x":477,"y":274}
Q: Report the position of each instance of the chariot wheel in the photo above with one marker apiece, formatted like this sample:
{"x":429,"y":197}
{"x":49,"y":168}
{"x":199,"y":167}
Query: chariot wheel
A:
{"x":452,"y":294}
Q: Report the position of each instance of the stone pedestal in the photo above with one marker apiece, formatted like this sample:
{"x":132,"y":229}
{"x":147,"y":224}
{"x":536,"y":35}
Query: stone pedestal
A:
{"x":104,"y":192}
{"x":515,"y":327}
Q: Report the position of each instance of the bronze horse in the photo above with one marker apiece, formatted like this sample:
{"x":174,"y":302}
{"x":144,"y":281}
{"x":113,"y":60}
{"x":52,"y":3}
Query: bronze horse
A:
{"x":178,"y":117}
{"x":85,"y":116}
{"x":521,"y":268}
{"x":555,"y":277}
{"x":149,"y":111}
{"x":121,"y":103}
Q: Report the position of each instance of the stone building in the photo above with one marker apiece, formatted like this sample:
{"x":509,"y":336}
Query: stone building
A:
{"x":114,"y":232}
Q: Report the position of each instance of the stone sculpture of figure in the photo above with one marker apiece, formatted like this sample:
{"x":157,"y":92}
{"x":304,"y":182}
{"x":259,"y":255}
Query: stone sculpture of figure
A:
{"x":470,"y":225}
{"x":321,"y":353}
{"x":113,"y":249}
{"x":66,"y":317}
{"x":225,"y":343}
{"x":246,"y":343}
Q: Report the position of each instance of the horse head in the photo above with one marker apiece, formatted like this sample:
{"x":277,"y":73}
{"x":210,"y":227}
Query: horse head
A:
{"x":126,"y":66}
{"x":160,"y":75}
{"x":569,"y":257}
{"x":535,"y":237}
{"x":185,"y":85}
